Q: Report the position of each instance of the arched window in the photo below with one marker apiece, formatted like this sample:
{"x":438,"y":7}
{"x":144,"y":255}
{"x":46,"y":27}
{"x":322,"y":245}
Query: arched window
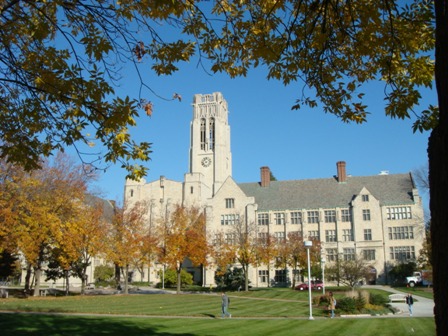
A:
{"x":212,"y":133}
{"x":203,"y":134}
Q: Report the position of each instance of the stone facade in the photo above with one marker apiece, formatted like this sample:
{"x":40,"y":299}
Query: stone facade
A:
{"x":379,"y":217}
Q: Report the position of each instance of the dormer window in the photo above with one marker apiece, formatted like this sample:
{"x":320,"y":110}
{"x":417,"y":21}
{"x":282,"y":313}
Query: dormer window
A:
{"x":365,"y":198}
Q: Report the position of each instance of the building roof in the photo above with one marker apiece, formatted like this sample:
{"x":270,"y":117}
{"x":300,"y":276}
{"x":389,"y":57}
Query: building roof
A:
{"x":328,"y":193}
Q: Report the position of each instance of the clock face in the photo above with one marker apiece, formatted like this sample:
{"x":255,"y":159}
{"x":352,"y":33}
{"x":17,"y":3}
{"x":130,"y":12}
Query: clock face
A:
{"x":206,"y":161}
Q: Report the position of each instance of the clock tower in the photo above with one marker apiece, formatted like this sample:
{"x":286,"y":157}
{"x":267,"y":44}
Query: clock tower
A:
{"x":210,"y":156}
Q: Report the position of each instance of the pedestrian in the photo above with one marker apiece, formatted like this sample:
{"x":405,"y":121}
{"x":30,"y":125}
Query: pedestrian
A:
{"x":225,"y":301}
{"x":409,"y":302}
{"x":331,"y":304}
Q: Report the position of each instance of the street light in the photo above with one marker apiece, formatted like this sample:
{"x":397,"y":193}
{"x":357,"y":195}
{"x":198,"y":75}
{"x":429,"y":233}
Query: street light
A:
{"x":308,"y":244}
{"x":322,"y":261}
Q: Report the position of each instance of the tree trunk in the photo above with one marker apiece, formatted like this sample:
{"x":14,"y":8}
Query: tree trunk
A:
{"x":246,"y":277}
{"x":37,"y":274}
{"x":179,"y":279}
{"x":28,"y":277}
{"x":125,"y":276}
{"x":438,"y":173}
{"x":67,"y":282}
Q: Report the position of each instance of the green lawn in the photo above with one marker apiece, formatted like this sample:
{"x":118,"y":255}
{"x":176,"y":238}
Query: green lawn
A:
{"x":259,"y":312}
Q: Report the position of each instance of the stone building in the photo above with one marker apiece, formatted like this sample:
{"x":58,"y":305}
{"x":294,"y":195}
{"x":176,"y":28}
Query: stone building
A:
{"x":378,"y":217}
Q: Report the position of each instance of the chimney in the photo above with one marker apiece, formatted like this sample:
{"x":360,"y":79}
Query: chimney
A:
{"x":265,"y":176}
{"x":342,"y":175}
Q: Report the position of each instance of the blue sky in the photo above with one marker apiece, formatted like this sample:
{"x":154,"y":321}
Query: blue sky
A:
{"x":301,"y":144}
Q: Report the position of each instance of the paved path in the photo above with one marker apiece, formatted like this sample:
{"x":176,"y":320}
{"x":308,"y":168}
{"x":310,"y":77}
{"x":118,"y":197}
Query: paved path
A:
{"x":423,"y":307}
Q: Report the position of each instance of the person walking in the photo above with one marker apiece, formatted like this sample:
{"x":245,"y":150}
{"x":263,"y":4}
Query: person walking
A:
{"x":225,"y":301}
{"x":331,"y":304}
{"x":410,"y":303}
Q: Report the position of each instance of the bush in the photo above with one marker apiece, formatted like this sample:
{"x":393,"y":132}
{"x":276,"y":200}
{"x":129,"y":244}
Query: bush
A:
{"x":347,"y":305}
{"x":103,"y":273}
{"x":171,"y":278}
{"x":378,"y":300}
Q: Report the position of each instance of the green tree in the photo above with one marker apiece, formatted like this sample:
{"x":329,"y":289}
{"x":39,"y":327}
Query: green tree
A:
{"x":103,"y":273}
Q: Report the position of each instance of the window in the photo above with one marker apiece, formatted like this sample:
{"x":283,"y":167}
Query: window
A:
{"x":367,"y":234}
{"x":402,"y":253}
{"x":366,"y":214}
{"x":313,"y":234}
{"x":347,"y":235}
{"x":211,"y":138}
{"x":263,"y":276}
{"x":203,"y":140}
{"x":330,"y":236}
{"x":349,"y":254}
{"x":365,"y":198}
{"x":399,"y":213}
{"x":330,"y":216}
{"x":345,"y":215}
{"x":332,"y":254}
{"x":401,"y":232}
{"x":263,"y":219}
{"x":191,"y":190}
{"x":230,"y":219}
{"x":279,"y":218}
{"x":262,"y":237}
{"x":230,"y":203}
{"x":131,"y":192}
{"x":313,"y":217}
{"x":280,"y":276}
{"x":280,"y":236}
{"x":230,"y":238}
{"x":368,"y":254}
{"x":296,"y":217}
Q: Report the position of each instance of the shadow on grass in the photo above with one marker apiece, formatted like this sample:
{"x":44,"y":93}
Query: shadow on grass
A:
{"x":52,"y":325}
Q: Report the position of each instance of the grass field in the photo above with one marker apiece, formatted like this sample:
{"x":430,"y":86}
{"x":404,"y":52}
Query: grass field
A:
{"x":264,"y":312}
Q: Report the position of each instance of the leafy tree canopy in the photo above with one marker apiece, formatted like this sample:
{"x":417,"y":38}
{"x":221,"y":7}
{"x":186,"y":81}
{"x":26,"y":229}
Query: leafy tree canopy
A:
{"x":61,"y":62}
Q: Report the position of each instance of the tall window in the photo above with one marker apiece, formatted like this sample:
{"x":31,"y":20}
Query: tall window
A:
{"x":349,"y":254}
{"x":399,"y":213}
{"x":280,"y":276}
{"x":401,"y":232}
{"x":368,"y":254}
{"x":347,"y":235}
{"x":345,"y":215}
{"x":331,"y":254}
{"x":279,"y":218}
{"x":212,"y":134}
{"x":263,"y":276}
{"x":365,"y":198}
{"x":263,"y":219}
{"x":367,"y":234}
{"x":330,"y":216}
{"x":366,"y":214}
{"x":203,"y":137}
{"x":313,"y":217}
{"x":230,"y":203}
{"x":402,"y":253}
{"x":296,"y":217}
{"x":330,"y":236}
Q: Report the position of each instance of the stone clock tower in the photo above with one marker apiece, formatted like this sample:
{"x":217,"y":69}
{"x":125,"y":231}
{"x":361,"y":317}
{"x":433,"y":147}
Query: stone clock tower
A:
{"x":210,"y":156}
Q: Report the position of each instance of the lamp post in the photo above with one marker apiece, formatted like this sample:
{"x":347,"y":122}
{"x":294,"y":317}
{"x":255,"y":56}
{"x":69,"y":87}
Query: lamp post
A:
{"x":322,"y":261}
{"x":308,"y":244}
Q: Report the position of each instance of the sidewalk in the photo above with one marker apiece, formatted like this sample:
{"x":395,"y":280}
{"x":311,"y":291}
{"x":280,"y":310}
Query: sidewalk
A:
{"x":422,"y":307}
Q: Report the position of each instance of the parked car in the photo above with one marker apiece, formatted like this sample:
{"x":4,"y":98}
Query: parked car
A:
{"x":315,"y":284}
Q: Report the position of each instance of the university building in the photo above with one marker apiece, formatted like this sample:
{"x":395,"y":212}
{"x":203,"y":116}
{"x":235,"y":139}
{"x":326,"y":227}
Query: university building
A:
{"x":377,"y":217}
